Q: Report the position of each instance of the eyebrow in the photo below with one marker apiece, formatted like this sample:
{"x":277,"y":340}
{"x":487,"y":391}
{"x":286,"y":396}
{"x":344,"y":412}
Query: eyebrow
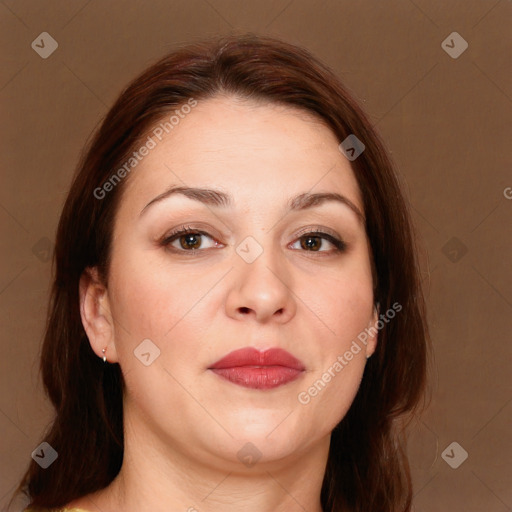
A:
{"x":217,"y":198}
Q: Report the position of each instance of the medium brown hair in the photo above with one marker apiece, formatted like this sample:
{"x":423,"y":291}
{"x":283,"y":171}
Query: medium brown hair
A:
{"x":367,"y":468}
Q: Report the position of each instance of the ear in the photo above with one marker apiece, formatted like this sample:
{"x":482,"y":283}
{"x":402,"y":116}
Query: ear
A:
{"x":371,"y":343}
{"x":96,"y":314}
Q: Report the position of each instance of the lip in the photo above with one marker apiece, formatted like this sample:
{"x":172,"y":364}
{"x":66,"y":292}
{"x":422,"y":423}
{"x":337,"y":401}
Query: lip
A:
{"x":252,"y":368}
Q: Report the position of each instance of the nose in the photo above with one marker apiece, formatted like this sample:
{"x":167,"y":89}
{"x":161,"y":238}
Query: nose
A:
{"x":261,"y":290}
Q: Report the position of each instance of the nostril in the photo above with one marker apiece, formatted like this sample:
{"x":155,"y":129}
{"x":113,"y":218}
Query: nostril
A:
{"x":244,"y":310}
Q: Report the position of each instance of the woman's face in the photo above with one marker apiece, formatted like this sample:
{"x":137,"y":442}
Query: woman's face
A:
{"x":247,"y":275}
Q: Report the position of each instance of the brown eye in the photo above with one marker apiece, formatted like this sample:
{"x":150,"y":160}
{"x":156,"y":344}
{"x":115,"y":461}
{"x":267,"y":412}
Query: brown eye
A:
{"x":315,"y":242}
{"x":188,"y":240}
{"x":312,"y":243}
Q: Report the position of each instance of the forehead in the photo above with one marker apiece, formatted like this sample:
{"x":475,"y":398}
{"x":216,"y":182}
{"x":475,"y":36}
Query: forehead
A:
{"x":252,"y":150}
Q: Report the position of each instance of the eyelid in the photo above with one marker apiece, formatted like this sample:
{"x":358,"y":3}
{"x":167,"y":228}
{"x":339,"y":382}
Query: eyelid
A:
{"x":317,"y":229}
{"x":192,"y":228}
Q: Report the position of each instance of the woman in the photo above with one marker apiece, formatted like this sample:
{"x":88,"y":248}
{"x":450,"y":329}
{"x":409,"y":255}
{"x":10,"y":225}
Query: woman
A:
{"x":237,"y":319}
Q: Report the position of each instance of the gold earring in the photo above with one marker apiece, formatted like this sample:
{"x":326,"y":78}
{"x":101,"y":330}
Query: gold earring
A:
{"x":104,"y":356}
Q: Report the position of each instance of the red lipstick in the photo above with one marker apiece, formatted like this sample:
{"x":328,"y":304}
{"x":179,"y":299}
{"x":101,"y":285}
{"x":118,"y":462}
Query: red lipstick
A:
{"x":256,"y":369}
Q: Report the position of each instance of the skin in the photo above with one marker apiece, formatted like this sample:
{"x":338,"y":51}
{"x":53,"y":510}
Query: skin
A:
{"x":184,"y":425}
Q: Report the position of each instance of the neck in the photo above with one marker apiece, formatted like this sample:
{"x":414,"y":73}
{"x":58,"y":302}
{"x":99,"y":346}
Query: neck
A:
{"x":160,"y":475}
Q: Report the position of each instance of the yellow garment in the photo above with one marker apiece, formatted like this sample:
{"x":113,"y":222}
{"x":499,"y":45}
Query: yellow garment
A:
{"x":55,"y":510}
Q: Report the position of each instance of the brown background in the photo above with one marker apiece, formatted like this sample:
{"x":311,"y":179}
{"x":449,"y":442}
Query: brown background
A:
{"x":446,"y":122}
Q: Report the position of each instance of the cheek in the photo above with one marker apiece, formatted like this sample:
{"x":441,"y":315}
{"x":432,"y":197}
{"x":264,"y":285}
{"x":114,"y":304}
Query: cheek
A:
{"x":151,"y":300}
{"x":342,"y":300}
{"x":150,"y":297}
{"x":333,"y":382}
{"x":142,"y":305}
{"x":346,"y":312}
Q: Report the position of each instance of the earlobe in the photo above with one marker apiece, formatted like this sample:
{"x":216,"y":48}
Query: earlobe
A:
{"x":96,"y":314}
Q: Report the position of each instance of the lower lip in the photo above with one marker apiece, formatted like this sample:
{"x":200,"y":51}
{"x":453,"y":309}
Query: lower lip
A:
{"x":266,"y":377}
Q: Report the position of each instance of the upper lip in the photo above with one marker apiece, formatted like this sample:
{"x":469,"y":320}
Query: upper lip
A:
{"x":250,"y":356}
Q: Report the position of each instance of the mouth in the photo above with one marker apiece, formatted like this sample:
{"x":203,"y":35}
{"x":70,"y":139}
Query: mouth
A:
{"x":251,"y":368}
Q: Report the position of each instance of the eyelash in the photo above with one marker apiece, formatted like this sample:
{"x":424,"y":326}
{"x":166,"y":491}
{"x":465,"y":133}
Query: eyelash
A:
{"x":340,"y":245}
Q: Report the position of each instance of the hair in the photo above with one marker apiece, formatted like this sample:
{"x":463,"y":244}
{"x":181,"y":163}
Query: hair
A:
{"x":367,"y":466}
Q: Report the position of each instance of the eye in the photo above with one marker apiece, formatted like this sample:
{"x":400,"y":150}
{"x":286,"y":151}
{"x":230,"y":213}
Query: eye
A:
{"x":313,"y":241}
{"x":187,"y":239}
